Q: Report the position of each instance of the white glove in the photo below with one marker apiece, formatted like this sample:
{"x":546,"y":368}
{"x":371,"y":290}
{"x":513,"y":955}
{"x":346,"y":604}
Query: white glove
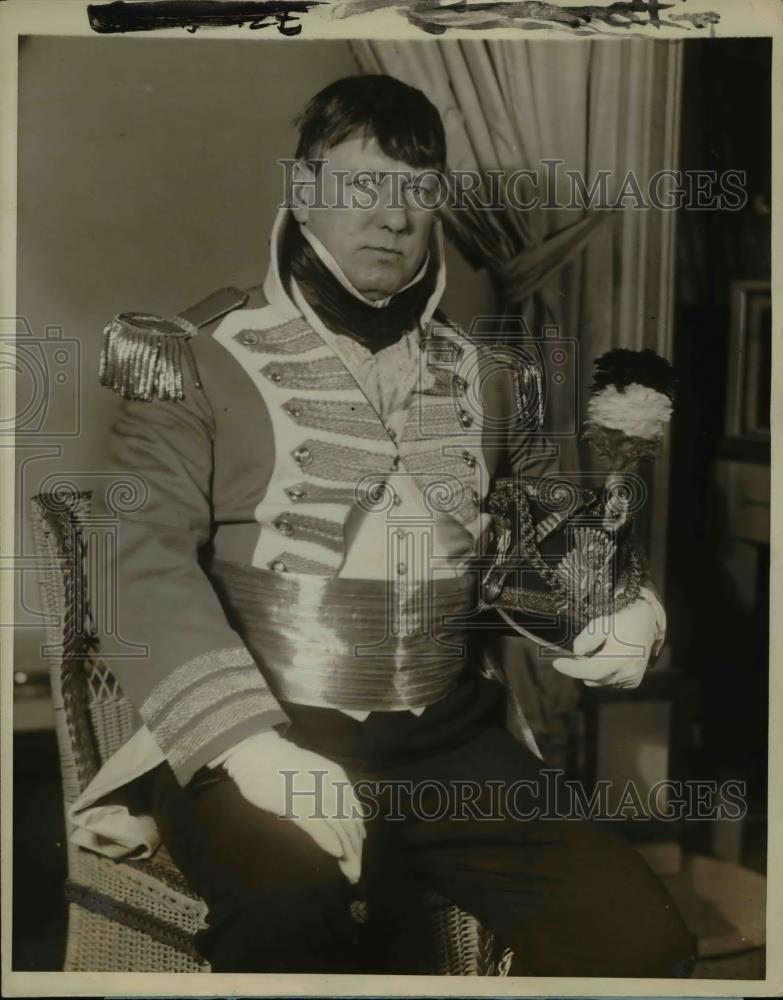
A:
{"x":255,"y":765}
{"x":621,"y":645}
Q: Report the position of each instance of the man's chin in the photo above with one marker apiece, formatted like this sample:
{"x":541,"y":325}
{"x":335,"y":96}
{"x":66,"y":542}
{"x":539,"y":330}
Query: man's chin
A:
{"x":380,"y":286}
{"x":376,"y":295}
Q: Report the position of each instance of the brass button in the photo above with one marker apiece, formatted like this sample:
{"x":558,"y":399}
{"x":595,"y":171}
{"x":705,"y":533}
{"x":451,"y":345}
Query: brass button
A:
{"x":302,"y":455}
{"x":284,"y":526}
{"x":293,"y":410}
{"x":465,"y":418}
{"x":396,"y":499}
{"x":249,"y":338}
{"x":296,"y":493}
{"x":468,"y":459}
{"x":460,"y":385}
{"x":274,"y":374}
{"x":278,"y":566}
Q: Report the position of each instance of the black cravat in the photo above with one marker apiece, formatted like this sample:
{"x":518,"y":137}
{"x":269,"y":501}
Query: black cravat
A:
{"x":342,"y":312}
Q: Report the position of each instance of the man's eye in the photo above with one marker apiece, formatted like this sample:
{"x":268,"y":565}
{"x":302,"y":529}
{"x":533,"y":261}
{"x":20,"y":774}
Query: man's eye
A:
{"x":420,"y":193}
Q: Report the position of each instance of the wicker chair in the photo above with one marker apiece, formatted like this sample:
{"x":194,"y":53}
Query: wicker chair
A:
{"x":141,"y":915}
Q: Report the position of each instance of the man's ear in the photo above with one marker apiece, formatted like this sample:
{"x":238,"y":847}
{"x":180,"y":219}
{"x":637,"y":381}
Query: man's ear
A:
{"x":303,"y":181}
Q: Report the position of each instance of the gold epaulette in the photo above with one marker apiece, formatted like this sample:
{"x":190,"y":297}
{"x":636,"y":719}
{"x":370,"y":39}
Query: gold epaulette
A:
{"x":143,"y":355}
{"x":529,"y":388}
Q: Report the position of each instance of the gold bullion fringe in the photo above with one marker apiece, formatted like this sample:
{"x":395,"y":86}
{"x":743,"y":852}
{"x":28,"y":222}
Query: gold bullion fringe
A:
{"x":141,"y":363}
{"x":530,"y":388}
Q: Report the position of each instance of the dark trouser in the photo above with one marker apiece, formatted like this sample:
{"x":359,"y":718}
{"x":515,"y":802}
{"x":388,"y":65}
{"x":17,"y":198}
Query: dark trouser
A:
{"x":571,"y":898}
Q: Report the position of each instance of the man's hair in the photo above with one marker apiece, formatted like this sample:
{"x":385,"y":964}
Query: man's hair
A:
{"x":405,"y":124}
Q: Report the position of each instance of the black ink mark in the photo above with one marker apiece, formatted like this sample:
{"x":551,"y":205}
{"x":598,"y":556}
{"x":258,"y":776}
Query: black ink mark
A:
{"x":437,"y":16}
{"x":704,"y":19}
{"x":433,"y":16}
{"x":120,"y":17}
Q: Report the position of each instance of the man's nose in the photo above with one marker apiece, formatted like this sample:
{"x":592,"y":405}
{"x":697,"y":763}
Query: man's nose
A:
{"x":392,"y":212}
{"x":395,"y":220}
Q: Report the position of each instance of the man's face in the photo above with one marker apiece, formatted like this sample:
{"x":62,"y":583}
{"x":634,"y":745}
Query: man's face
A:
{"x":376,"y":225}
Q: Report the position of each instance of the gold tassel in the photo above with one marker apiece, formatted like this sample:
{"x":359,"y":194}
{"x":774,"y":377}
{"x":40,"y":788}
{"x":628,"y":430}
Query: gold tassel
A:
{"x":142,"y":356}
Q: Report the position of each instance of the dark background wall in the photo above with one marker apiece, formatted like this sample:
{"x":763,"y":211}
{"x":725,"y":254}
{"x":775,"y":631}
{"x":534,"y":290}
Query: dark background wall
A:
{"x":718,"y":577}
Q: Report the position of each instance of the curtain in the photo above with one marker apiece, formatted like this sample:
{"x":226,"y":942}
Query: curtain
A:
{"x":595,"y":278}
{"x":601,"y":277}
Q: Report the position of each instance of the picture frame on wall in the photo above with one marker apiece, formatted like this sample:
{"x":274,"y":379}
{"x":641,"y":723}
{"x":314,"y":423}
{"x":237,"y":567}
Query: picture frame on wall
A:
{"x":750,"y":365}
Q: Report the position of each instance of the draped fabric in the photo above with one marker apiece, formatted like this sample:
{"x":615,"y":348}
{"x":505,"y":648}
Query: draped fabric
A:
{"x":600,"y":278}
{"x":488,"y":101}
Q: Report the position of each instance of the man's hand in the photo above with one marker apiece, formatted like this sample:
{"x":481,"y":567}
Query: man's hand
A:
{"x":626,"y":640}
{"x":256,"y":765}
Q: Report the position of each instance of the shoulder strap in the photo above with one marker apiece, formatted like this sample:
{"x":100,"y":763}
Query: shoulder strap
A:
{"x":143,"y":355}
{"x":214,"y":306}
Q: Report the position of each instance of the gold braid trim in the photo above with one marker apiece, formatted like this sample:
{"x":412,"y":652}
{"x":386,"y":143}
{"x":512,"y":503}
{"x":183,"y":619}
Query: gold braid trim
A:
{"x":508,"y":502}
{"x":143,"y":356}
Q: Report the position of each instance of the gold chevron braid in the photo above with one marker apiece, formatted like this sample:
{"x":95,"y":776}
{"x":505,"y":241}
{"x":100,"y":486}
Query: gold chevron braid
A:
{"x":305,"y":492}
{"x":433,"y":420}
{"x":294,"y":337}
{"x":339,"y":462}
{"x":292,"y":562}
{"x":308,"y":528}
{"x":323,"y":373}
{"x":355,"y":419}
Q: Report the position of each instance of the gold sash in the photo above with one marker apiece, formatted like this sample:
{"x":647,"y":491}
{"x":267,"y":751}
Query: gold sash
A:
{"x":344,"y":643}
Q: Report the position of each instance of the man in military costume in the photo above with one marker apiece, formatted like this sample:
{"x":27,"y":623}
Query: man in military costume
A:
{"x":317,"y":458}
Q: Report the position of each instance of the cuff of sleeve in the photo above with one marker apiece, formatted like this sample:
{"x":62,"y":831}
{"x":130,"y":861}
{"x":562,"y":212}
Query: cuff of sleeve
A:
{"x":185,"y":767}
{"x":225,"y":754}
{"x":207,"y":705}
{"x":648,"y":594}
